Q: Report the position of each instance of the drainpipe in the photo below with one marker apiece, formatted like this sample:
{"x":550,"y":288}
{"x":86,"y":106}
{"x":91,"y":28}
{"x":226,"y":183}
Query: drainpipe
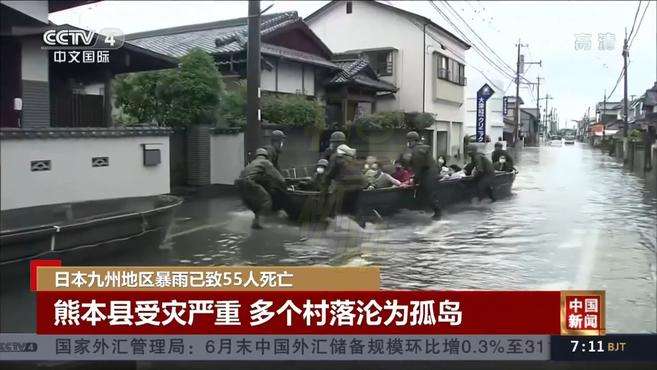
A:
{"x":424,"y":65}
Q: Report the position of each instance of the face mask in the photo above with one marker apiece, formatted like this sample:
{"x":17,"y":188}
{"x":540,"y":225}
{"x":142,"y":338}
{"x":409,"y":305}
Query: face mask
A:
{"x":320,"y":170}
{"x":408,"y":145}
{"x":502,"y":159}
{"x":441,"y":161}
{"x":281,"y":146}
{"x":375,"y":166}
{"x":366,"y":166}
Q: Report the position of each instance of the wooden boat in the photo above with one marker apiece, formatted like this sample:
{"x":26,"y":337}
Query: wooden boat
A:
{"x":52,"y":229}
{"x":308,"y":206}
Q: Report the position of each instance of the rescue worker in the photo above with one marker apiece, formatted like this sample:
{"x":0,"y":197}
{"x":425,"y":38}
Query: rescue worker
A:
{"x":344,"y":177}
{"x":258,"y":183}
{"x":337,"y":138}
{"x":481,"y":168}
{"x":275,"y":148}
{"x":498,"y":152}
{"x":419,"y":158}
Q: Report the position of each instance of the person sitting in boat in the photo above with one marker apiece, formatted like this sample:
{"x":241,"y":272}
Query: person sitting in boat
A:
{"x":370,"y":161}
{"x":319,"y":177}
{"x":481,"y":168}
{"x":403,"y":174}
{"x":275,"y":147}
{"x":258,"y":183}
{"x":442,"y":165}
{"x":503,"y":165}
{"x":378,"y":179}
{"x":498,"y":152}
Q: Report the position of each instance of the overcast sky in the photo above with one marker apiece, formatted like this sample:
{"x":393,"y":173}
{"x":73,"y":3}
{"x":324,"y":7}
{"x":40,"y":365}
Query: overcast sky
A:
{"x":576,"y":79}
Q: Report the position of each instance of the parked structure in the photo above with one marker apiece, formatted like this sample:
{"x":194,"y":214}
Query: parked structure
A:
{"x":423,"y":60}
{"x":58,"y":141}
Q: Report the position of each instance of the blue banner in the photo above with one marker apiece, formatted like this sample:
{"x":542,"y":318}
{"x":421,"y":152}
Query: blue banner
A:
{"x":482,"y":96}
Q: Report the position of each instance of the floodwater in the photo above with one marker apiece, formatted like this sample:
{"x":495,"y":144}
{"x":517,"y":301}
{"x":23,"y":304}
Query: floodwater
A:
{"x":576,"y":220}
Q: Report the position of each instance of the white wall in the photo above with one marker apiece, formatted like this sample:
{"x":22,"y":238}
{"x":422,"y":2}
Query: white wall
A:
{"x":72,"y":178}
{"x":293,"y":78}
{"x":226,"y":158}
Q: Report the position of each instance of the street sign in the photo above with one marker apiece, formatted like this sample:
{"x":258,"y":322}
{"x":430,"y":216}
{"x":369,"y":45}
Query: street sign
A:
{"x":482,"y":96}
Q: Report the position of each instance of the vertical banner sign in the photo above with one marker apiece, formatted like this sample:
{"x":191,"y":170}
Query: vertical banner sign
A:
{"x":505,"y":106}
{"x":482,"y":96}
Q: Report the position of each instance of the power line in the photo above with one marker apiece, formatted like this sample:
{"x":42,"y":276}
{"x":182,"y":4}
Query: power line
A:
{"x":477,"y":35}
{"x":634,"y":22}
{"x":639,"y":26}
{"x":474,"y":46}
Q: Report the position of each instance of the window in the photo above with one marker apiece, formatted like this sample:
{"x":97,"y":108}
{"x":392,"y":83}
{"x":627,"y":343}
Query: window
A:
{"x":381,"y":62}
{"x":350,"y":7}
{"x":443,"y":67}
{"x":451,"y":70}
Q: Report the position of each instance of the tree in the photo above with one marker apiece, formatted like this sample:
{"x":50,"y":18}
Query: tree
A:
{"x":189,"y":95}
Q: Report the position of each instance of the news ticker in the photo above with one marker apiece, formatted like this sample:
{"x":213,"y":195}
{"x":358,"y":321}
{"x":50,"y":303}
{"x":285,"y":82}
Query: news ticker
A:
{"x":613,"y":347}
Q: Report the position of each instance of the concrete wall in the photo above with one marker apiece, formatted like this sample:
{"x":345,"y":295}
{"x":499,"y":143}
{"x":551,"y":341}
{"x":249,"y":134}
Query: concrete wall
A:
{"x":72,"y":177}
{"x":226,"y":157}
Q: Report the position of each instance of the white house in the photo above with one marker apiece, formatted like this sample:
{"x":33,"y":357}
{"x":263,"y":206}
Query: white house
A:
{"x":423,"y":60}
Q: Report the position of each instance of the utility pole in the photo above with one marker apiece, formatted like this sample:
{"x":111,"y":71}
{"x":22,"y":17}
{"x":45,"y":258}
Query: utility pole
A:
{"x":538,"y":104}
{"x":516,"y":107}
{"x":520,"y":64}
{"x":252,"y":134}
{"x":625,"y":104}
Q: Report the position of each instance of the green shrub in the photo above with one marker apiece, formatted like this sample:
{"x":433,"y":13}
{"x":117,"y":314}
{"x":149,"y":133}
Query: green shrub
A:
{"x":292,"y":111}
{"x":188,"y":95}
{"x":395,"y":120}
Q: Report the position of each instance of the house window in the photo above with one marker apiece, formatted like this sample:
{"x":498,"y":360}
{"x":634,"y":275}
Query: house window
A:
{"x":451,"y":70}
{"x":443,"y":67}
{"x":381,"y":62}
{"x":350,"y":7}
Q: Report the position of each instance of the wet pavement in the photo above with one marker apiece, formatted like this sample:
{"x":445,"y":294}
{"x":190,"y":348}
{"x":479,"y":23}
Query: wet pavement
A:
{"x":576,"y":220}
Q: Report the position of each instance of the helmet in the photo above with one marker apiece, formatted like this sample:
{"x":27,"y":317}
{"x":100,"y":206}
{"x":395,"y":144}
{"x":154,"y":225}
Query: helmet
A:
{"x":323,"y":162}
{"x":412,"y":135}
{"x":263,"y":152}
{"x":338,"y":136}
{"x":277,"y":135}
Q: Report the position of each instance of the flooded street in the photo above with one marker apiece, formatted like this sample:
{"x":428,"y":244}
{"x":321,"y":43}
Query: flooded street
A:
{"x":576,"y":220}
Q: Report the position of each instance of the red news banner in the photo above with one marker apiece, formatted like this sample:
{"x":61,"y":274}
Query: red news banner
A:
{"x":299,"y":312}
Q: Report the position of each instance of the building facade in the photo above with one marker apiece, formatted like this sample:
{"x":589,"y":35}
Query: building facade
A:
{"x":424,"y":61}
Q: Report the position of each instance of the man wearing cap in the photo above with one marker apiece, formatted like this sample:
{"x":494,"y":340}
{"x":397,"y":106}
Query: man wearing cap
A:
{"x":275,"y":147}
{"x":419,"y":158}
{"x":343,"y":177}
{"x":319,"y":177}
{"x":258,"y":182}
{"x":337,"y":138}
{"x":481,"y":168}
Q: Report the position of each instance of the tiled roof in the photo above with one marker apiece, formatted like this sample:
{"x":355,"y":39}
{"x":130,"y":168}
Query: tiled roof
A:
{"x":356,"y":71}
{"x":215,"y":38}
{"x":296,"y":55}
